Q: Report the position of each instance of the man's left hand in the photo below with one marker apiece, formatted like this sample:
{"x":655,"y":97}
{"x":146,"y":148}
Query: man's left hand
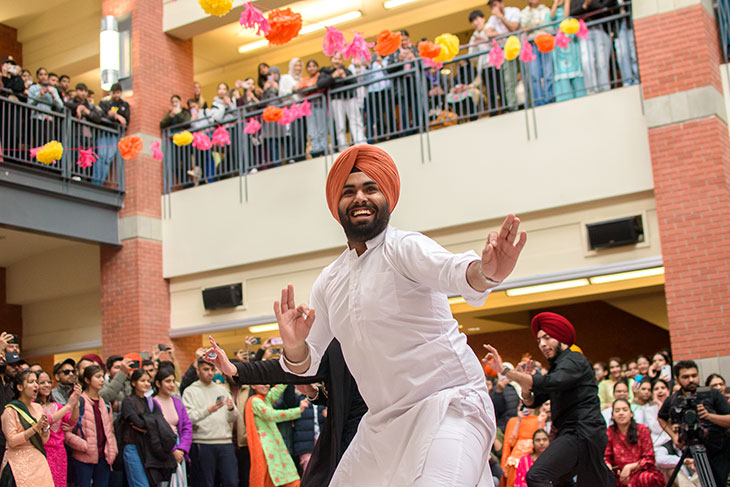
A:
{"x":702,"y":412}
{"x":500,"y":253}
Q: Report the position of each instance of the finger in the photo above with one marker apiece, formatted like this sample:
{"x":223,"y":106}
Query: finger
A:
{"x":513,"y":231}
{"x":284,"y":300}
{"x":303,"y":309}
{"x":521,"y":242}
{"x":291,"y":304}
{"x":492,"y":238}
{"x":310,"y":318}
{"x":277,"y":311}
{"x":212,"y":341}
{"x":504,"y":231}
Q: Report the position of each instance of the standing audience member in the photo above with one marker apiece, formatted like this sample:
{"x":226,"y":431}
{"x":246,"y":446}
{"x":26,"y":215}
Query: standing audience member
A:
{"x":505,"y":20}
{"x":596,"y":51}
{"x":198,"y":96}
{"x":567,"y":68}
{"x":405,"y":85}
{"x":642,"y":365}
{"x":25,"y":427}
{"x":381,"y":113}
{"x":629,"y":451}
{"x":488,"y":74}
{"x":177,"y":417}
{"x":176,"y":115}
{"x":296,"y":139}
{"x":65,"y":374}
{"x":532,"y":16}
{"x":64,"y":83}
{"x":212,"y":412}
{"x":317,"y":121}
{"x":518,"y":442}
{"x":82,"y":109}
{"x":57,"y":415}
{"x":308,"y":427}
{"x":716,"y":381}
{"x":53,"y":79}
{"x":115,"y":114}
{"x":11,"y":79}
{"x":343,"y":104}
{"x":540,"y":442}
{"x":92,"y":440}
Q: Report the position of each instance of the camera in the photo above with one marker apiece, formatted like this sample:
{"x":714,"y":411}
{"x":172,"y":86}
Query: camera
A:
{"x":685,"y":416}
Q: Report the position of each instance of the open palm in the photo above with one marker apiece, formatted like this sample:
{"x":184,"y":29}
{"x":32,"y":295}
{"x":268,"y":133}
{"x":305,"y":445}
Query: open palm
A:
{"x":501,"y":252}
{"x":294,"y":321}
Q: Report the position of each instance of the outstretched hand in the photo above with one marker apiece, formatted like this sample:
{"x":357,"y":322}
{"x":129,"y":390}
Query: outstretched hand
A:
{"x":493,"y":359}
{"x":501,"y":252}
{"x":294,"y":321}
{"x":217,"y":356}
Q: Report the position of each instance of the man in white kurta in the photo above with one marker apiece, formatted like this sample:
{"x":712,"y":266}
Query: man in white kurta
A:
{"x":430,"y":420}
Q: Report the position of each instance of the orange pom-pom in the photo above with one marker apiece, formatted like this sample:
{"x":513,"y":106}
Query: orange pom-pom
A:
{"x":545,"y":42}
{"x":428,"y":49}
{"x":130,"y":147}
{"x":273,"y":114}
{"x":285,"y":26}
{"x":387,"y":42}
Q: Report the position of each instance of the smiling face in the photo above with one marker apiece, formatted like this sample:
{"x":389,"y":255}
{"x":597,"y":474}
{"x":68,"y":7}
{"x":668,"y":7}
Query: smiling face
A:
{"x":44,"y":384}
{"x":614,"y":369}
{"x":262,"y":389}
{"x":718,"y":383}
{"x":621,"y":391}
{"x":363,"y":209}
{"x":643,"y":394}
{"x":312,"y":68}
{"x":642,"y":364}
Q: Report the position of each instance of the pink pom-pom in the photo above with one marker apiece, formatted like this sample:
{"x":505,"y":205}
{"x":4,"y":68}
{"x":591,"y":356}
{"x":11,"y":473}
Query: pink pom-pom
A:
{"x":287,"y":116}
{"x":496,"y":56}
{"x":305,"y":109}
{"x":582,"y":30}
{"x":201,"y":141}
{"x":87,"y":158}
{"x":561,"y":40}
{"x":252,"y":18}
{"x":526,"y":55}
{"x":156,"y":152}
{"x":221,"y":137}
{"x":252,"y":126}
{"x":432,"y":64}
{"x":35,"y":150}
{"x":334,"y":41}
{"x":358,"y":48}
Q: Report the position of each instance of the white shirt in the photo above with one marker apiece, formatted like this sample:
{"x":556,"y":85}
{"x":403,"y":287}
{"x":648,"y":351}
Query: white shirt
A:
{"x":389,"y":310}
{"x":512,"y":14}
{"x":647,"y":415}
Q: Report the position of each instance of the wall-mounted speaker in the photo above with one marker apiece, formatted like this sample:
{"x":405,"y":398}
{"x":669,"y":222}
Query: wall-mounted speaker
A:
{"x":614,"y":233}
{"x":228,"y":296}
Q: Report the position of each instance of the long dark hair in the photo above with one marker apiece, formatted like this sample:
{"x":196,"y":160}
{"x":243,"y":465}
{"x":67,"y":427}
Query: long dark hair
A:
{"x":136,"y":376}
{"x":89,"y":372}
{"x":19,"y":379}
{"x":162,"y":374}
{"x":713,"y":376}
{"x":261,"y":77}
{"x":633,"y":433}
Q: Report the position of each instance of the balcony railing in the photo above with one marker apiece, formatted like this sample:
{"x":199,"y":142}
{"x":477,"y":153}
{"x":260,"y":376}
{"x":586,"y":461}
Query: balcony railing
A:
{"x":24,"y":126}
{"x":722,"y":12}
{"x":410,"y":98}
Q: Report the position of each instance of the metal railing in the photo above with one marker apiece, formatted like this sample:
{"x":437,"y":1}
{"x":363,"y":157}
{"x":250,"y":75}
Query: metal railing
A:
{"x":722,"y":12}
{"x":24,"y":126}
{"x":411,"y":98}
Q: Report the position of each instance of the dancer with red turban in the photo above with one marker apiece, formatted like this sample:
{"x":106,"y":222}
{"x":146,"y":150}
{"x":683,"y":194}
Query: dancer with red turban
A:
{"x":430,"y":421}
{"x":571,"y":388}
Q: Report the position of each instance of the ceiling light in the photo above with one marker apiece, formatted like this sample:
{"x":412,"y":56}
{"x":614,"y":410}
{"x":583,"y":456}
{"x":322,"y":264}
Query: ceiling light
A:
{"x":388,"y":4}
{"x":323,"y":24}
{"x":253,"y":45}
{"x":473,"y":329}
{"x":263,"y":328}
{"x":109,"y":52}
{"x":551,"y":286}
{"x":622,"y":276}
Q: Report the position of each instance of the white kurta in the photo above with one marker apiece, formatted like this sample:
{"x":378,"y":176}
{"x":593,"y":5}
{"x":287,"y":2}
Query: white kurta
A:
{"x":389,"y":310}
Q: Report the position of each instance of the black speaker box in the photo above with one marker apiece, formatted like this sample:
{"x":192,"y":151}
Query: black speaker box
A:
{"x":228,"y":296}
{"x":614,"y":233}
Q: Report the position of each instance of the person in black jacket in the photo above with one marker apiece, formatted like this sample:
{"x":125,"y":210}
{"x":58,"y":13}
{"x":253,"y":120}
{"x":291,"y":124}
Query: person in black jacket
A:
{"x":115,"y":114}
{"x":345,"y":406}
{"x":505,"y":400}
{"x":176,"y":115}
{"x":13,"y":88}
{"x":600,"y":45}
{"x":148,"y":458}
{"x":307,"y":428}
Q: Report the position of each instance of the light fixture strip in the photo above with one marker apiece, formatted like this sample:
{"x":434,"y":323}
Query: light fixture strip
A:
{"x":389,"y":4}
{"x":551,"y":286}
{"x":263,"y":328}
{"x":623,"y":276}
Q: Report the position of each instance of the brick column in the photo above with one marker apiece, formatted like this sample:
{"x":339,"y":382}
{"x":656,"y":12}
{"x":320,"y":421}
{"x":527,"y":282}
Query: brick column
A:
{"x":690,"y":151}
{"x":135,"y":301}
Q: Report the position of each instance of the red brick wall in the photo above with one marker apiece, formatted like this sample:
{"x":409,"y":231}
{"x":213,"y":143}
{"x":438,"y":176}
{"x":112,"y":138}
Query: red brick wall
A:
{"x":185,"y":348}
{"x":9,"y":45}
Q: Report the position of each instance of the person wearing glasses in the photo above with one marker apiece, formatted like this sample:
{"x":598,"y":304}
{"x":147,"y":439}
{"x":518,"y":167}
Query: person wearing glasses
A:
{"x":65,"y":373}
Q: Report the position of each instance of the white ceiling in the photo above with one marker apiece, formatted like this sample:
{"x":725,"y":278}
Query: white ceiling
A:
{"x":16,"y":246}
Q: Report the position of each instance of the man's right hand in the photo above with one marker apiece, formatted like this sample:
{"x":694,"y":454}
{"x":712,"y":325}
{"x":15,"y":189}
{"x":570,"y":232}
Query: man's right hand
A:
{"x":295,"y":322}
{"x":304,"y":404}
{"x":493,"y":359}
{"x":215,"y":406}
{"x":125,"y":366}
{"x":5,"y":338}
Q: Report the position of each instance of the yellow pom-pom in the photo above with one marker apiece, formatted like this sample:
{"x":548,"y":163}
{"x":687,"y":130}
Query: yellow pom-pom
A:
{"x":50,"y":153}
{"x":182,"y":138}
{"x":216,"y":7}
{"x":449,"y":47}
{"x":512,"y":48}
{"x":570,"y":26}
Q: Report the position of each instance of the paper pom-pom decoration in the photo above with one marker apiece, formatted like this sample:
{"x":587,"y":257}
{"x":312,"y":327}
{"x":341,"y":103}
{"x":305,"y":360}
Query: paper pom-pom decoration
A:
{"x":526,"y":55}
{"x":358,"y":48}
{"x":431,"y":64}
{"x":87,"y":158}
{"x":496,"y":56}
{"x":181,"y":139}
{"x":130,"y":147}
{"x":561,"y":40}
{"x":34,"y":151}
{"x":545,"y":42}
{"x":285,"y":26}
{"x":333,"y":41}
{"x":221,"y":137}
{"x":582,"y":30}
{"x":449,"y":47}
{"x":201,"y":141}
{"x":252,"y":126}
{"x":305,"y":109}
{"x":387,"y":42}
{"x":216,"y":7}
{"x":252,"y":18}
{"x":50,"y":153}
{"x":272,"y":114}
{"x":287,"y":116}
{"x":512,"y":48}
{"x":156,"y":152}
{"x":428,"y":49}
{"x":569,"y":26}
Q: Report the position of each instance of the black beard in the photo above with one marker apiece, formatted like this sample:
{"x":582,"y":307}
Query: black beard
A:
{"x":366,"y":231}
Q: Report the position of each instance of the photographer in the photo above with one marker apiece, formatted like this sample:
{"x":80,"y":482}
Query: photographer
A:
{"x":713,"y":411}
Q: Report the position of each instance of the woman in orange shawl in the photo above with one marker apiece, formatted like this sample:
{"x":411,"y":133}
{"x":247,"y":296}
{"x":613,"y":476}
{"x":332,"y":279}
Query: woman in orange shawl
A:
{"x":517,"y":442}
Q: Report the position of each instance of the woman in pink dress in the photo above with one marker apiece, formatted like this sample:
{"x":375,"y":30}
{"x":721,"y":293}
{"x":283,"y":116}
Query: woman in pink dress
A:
{"x":56,"y":414}
{"x":629,"y":452}
{"x":540,"y":442}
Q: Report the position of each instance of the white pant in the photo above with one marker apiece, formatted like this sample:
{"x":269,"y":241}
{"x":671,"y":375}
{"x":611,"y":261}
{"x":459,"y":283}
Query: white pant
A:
{"x":347,"y":107}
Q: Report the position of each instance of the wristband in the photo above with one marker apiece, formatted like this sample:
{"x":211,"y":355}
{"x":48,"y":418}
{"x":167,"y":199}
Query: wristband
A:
{"x":489,"y":281}
{"x":296,"y":364}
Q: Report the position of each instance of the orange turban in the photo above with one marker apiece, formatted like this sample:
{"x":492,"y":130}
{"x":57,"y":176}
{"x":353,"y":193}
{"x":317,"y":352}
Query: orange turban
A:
{"x":371,"y":160}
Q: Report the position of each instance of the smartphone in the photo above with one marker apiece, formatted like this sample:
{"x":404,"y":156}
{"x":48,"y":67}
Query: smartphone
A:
{"x":666,"y":371}
{"x":256,"y":340}
{"x":220,"y":398}
{"x":270,"y":77}
{"x":135,"y":364}
{"x":211,"y":356}
{"x":162,"y":348}
{"x":638,"y":378}
{"x":276,"y":351}
{"x":277,"y":341}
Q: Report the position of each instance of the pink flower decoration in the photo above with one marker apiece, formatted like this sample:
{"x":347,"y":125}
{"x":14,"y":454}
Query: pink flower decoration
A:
{"x":87,"y":158}
{"x":252,"y":18}
{"x":582,"y":30}
{"x":35,"y":150}
{"x":526,"y":55}
{"x":561,"y":40}
{"x":221,"y":136}
{"x":358,"y":48}
{"x":496,"y":56}
{"x":156,"y":152}
{"x":288,"y":115}
{"x":201,"y":141}
{"x":432,"y":64}
{"x":333,"y":41}
{"x":252,"y":126}
{"x":305,"y":109}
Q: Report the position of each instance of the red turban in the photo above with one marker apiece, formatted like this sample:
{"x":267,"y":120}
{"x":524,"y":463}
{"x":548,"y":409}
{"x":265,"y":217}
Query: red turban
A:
{"x":371,"y":160}
{"x":556,"y":326}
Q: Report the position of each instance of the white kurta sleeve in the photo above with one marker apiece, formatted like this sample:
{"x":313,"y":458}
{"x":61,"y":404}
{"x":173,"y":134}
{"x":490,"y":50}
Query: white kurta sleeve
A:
{"x":320,"y":335}
{"x":421,"y":259}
